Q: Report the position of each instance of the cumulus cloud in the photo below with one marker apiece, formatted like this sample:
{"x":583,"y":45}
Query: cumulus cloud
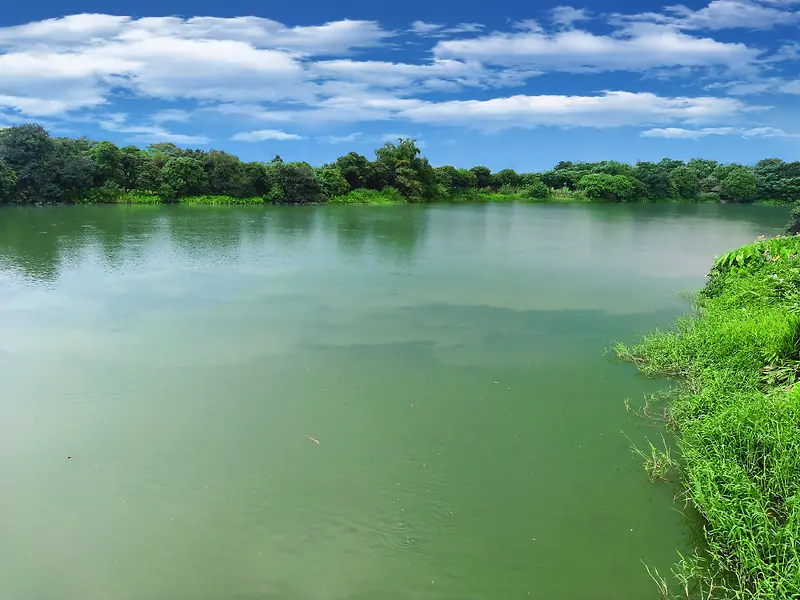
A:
{"x":641,"y":46}
{"x":567,"y":16}
{"x":610,"y":109}
{"x":265,"y":134}
{"x":264,"y":72}
{"x":423,"y":28}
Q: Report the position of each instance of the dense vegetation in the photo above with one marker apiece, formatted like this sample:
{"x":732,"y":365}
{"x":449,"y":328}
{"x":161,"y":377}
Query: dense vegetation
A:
{"x":737,"y":419}
{"x":37,"y":168}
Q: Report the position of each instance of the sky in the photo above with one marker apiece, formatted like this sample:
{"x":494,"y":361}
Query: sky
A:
{"x":505,"y":84}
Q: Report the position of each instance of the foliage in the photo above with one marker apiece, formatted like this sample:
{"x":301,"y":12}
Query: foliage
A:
{"x":332,"y":182}
{"x":182,"y":176}
{"x":736,"y":416}
{"x":35,"y":167}
{"x":739,"y":185}
{"x":614,"y":188}
{"x":387,"y":195}
{"x":8,"y":183}
{"x":793,"y":226}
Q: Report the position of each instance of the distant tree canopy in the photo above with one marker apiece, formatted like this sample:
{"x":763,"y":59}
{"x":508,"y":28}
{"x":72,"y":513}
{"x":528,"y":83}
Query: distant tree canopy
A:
{"x":35,"y":167}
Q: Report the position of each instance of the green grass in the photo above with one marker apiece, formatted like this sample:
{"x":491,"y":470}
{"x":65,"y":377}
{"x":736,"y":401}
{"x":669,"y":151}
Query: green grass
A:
{"x":736,"y":415}
{"x":217,"y":200}
{"x":363,"y":196}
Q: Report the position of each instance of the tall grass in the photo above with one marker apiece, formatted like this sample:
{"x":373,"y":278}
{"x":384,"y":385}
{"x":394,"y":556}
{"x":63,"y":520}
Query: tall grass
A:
{"x":387,"y":195}
{"x":736,"y":415}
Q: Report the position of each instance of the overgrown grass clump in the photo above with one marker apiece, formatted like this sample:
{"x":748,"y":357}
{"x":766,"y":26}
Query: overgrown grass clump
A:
{"x":736,"y":415}
{"x":387,"y":195}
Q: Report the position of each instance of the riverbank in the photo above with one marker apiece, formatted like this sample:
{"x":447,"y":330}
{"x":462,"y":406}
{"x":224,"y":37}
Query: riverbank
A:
{"x":392,"y":196}
{"x":736,"y":416}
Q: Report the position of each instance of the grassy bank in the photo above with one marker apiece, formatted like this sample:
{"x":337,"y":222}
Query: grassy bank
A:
{"x":736,"y":416}
{"x":384,"y":196}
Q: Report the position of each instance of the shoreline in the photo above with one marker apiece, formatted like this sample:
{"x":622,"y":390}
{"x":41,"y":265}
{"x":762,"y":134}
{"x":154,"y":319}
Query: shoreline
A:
{"x":373,"y":199}
{"x":735,"y":415}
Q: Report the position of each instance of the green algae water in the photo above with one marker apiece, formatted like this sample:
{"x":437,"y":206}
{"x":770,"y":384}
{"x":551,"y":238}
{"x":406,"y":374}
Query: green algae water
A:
{"x":338,"y":403}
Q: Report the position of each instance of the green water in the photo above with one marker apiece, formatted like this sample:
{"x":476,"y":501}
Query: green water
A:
{"x":449,"y":359}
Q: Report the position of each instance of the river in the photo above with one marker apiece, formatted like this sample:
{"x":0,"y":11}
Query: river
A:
{"x":338,"y":403}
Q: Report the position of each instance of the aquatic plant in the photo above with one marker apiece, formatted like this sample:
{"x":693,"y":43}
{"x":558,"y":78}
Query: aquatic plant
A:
{"x":736,"y":414}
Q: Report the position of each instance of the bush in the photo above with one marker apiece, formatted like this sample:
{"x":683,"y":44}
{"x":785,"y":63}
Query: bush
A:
{"x":387,"y":195}
{"x":793,"y":226}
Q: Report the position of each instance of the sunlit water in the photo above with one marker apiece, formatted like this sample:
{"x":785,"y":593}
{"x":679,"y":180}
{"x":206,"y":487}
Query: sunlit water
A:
{"x":448,"y":359}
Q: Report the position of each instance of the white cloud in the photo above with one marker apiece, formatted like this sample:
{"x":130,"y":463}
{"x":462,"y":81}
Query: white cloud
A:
{"x":641,"y":46}
{"x":693,"y":134}
{"x":118,"y":122}
{"x":340,"y":139}
{"x":330,"y":38}
{"x":567,"y":16}
{"x":685,"y":134}
{"x":465,"y":28}
{"x":265,"y":134}
{"x":423,"y":28}
{"x":722,"y":14}
{"x":76,"y":62}
{"x":610,"y":109}
{"x":173,"y":115}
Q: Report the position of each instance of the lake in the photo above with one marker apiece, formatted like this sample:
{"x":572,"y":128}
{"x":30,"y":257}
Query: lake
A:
{"x":339,"y":403}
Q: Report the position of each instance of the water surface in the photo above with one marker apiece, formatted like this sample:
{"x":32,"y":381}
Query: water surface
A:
{"x":449,"y":359}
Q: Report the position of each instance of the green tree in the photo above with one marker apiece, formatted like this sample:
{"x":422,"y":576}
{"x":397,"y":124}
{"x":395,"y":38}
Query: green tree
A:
{"x":684,"y":181}
{"x":8,"y":183}
{"x":506,"y":178}
{"x":409,"y":172}
{"x":332,"y":182}
{"x":793,"y":226}
{"x":354,"y":168}
{"x":535,"y":188}
{"x":739,"y":186}
{"x":444,"y":177}
{"x":225,"y":173}
{"x":483,"y":177}
{"x":704,"y":167}
{"x":655,"y":178}
{"x":183,"y":176}
{"x":107,"y":158}
{"x":769,"y":174}
{"x":299,"y":183}
{"x":615,"y":188}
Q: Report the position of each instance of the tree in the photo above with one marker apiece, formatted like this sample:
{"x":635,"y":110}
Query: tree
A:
{"x":768,"y":173}
{"x":483,"y":176}
{"x":108,"y":163}
{"x":444,"y":177}
{"x":535,"y":188}
{"x":793,"y":226}
{"x":506,"y":178}
{"x":299,"y":183}
{"x":464,"y":179}
{"x":332,"y":182}
{"x":410,"y":173}
{"x":704,"y":167}
{"x":354,"y":168}
{"x":183,"y":176}
{"x":684,"y":182}
{"x":8,"y":183}
{"x":739,"y":186}
{"x":655,"y":179}
{"x":600,"y":186}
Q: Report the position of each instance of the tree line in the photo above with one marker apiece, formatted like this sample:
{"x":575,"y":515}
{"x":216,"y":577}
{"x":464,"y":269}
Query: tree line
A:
{"x":38,"y":168}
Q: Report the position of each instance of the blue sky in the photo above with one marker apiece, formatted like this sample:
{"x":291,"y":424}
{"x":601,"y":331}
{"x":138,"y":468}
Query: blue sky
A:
{"x":505,"y":83}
